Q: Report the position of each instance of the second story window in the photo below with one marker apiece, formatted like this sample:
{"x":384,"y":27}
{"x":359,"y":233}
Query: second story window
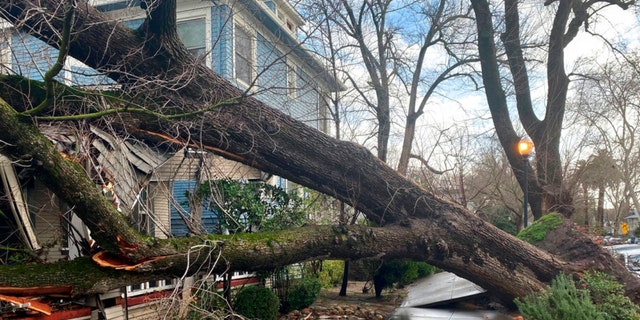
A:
{"x":243,"y":55}
{"x":192,"y":34}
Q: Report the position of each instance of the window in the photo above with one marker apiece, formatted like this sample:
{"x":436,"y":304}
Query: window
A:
{"x":291,"y":80}
{"x":271,"y":5}
{"x":151,"y":286}
{"x":243,"y":55}
{"x":140,"y":214}
{"x":192,"y":34}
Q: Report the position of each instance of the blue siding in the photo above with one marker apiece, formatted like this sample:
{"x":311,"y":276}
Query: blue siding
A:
{"x":83,"y":76}
{"x":31,"y":57}
{"x":221,"y":37}
{"x":178,"y":226}
{"x":272,"y":75}
{"x":307,"y":100}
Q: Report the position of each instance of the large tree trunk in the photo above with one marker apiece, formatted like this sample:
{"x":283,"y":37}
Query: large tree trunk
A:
{"x":600,"y":207}
{"x":240,"y":252}
{"x":419,"y":224}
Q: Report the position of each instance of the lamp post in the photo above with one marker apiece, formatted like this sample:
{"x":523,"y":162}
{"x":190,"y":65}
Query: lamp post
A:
{"x":525,"y":146}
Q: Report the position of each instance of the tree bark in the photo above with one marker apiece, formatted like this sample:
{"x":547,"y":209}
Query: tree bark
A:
{"x":418,"y":224}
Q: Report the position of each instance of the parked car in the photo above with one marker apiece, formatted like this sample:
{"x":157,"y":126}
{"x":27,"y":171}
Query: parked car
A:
{"x":629,"y":254}
{"x":619,"y":248}
{"x":609,"y":240}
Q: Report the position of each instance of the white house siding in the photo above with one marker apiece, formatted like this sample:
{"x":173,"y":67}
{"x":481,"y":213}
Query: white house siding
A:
{"x":188,"y":165}
{"x":145,"y":311}
{"x":158,"y":195}
{"x":5,"y":47}
{"x":44,"y":208}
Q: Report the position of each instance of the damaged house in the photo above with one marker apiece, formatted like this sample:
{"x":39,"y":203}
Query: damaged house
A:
{"x":252,"y":43}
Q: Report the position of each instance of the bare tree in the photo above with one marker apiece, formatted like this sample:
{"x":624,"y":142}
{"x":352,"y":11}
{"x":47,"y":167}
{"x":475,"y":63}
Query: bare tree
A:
{"x":492,"y":185}
{"x":606,"y":104}
{"x":546,"y":190}
{"x":368,"y":35}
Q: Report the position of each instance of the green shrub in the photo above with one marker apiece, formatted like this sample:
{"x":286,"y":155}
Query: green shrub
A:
{"x":257,"y":302}
{"x":399,"y":273}
{"x":608,"y":295}
{"x":501,"y":218}
{"x":303,"y":294}
{"x":425,"y":269}
{"x":540,"y":228}
{"x":562,"y":301}
{"x":404,"y":271}
{"x":331,"y":274}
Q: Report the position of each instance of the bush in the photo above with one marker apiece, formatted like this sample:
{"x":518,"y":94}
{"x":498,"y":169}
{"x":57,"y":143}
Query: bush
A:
{"x":501,"y":218}
{"x":331,"y":274}
{"x":303,"y":294}
{"x":257,"y":302}
{"x":400,"y":273}
{"x":403,"y":272}
{"x":608,"y":295}
{"x":562,"y":301}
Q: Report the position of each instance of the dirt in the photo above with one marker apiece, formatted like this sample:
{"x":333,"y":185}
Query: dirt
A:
{"x":355,"y":305}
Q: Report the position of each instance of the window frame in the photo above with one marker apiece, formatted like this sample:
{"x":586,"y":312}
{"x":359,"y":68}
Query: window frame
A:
{"x":150,"y":286}
{"x":249,"y":58}
{"x":205,"y":47}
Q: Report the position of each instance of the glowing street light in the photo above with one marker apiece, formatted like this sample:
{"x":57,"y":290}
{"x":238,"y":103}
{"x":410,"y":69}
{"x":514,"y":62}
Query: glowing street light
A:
{"x":525,"y":147}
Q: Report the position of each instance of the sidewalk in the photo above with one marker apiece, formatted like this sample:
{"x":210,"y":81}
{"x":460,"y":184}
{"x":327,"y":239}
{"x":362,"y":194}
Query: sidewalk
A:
{"x":356,"y":305}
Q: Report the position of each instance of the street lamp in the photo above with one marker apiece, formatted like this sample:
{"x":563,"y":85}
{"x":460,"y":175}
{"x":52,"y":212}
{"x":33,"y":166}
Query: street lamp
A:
{"x":525,"y":146}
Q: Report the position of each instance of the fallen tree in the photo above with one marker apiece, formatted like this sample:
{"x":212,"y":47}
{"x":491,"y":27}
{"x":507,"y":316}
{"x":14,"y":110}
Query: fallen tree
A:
{"x":227,"y":121}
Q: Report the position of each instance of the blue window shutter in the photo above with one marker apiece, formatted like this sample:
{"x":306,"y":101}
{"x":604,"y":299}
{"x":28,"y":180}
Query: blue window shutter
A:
{"x":180,"y":205}
{"x":178,"y":226}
